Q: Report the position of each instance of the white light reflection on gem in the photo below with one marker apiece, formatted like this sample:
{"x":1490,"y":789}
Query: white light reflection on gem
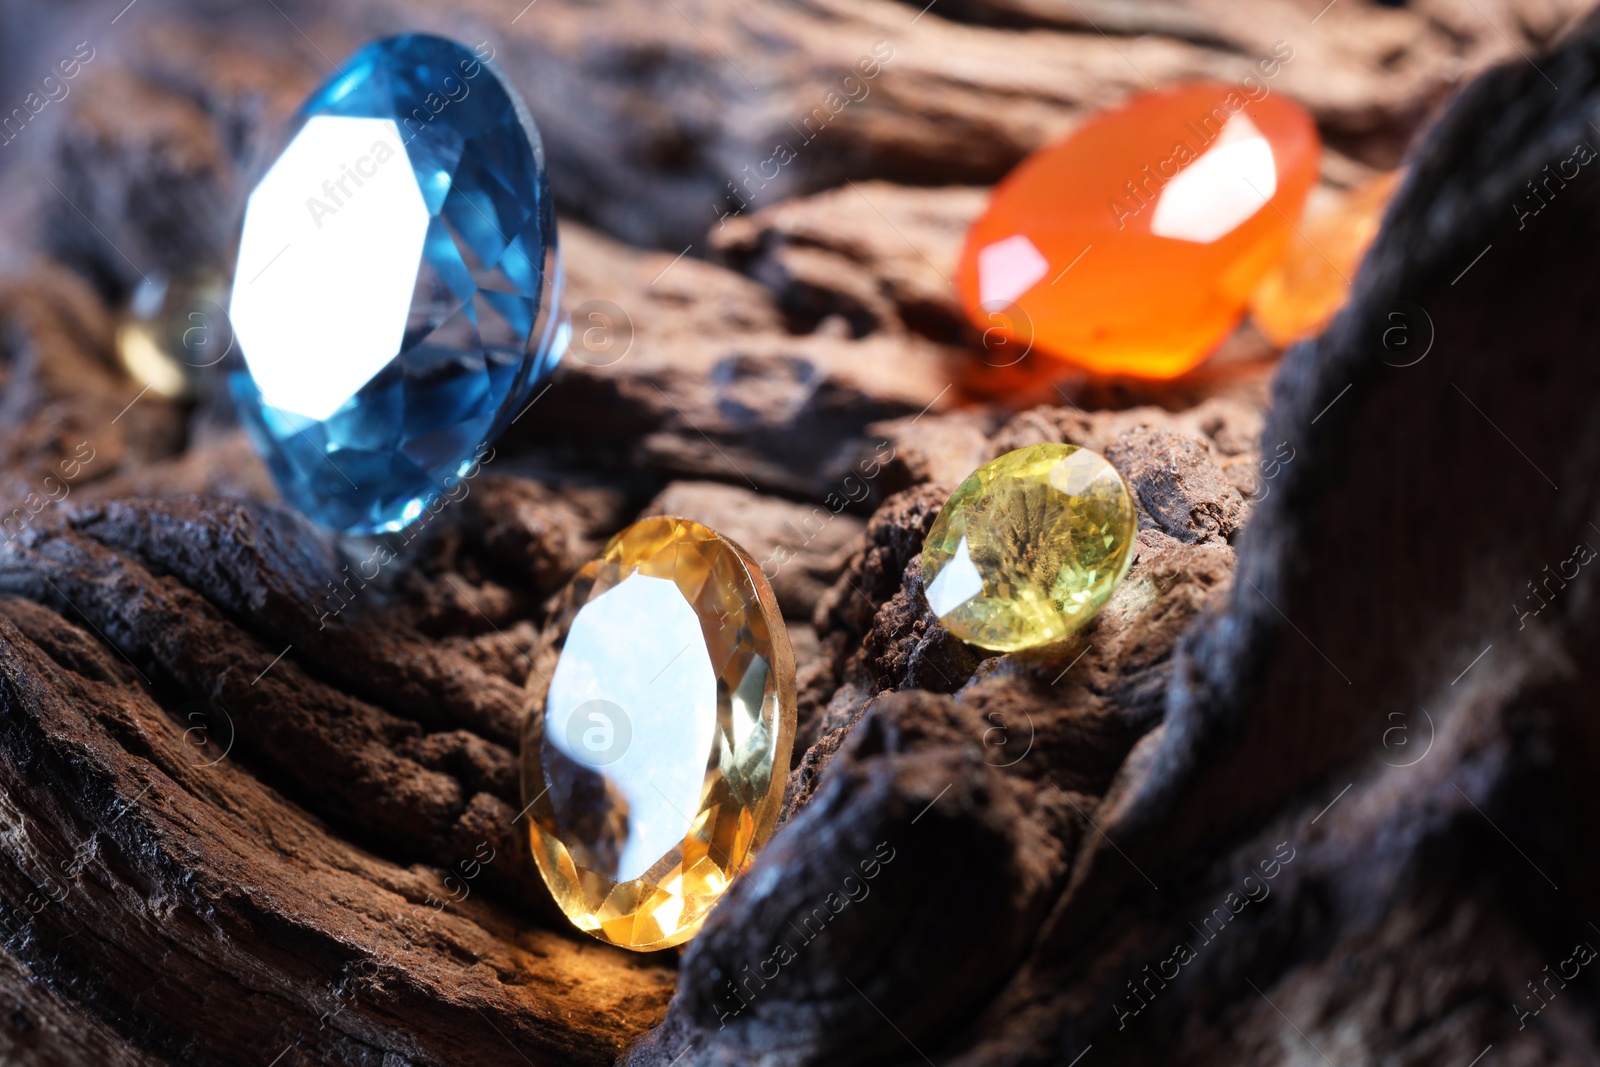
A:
{"x":1216,"y":193}
{"x":669,"y":912}
{"x":328,"y":260}
{"x":746,"y":707}
{"x":640,"y":646}
{"x":957,"y":582}
{"x":1007,"y":269}
{"x":1074,"y":474}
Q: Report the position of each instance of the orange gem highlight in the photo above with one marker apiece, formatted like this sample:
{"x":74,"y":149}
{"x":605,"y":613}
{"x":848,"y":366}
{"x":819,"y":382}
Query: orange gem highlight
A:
{"x":1133,"y":245}
{"x":1312,"y":281}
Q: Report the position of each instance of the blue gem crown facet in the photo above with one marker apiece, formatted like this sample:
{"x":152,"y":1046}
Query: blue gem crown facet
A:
{"x":396,"y":293}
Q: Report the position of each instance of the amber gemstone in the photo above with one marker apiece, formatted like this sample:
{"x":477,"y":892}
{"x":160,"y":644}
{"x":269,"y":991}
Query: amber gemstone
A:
{"x":1132,"y":246}
{"x":1312,"y":280}
{"x":663,"y":717}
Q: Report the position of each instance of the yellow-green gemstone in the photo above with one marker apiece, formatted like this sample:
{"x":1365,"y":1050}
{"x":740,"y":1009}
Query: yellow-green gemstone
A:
{"x":1029,"y":547}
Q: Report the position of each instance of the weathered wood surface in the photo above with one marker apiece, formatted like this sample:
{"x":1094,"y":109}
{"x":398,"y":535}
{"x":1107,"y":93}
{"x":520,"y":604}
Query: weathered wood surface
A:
{"x":236,"y":821}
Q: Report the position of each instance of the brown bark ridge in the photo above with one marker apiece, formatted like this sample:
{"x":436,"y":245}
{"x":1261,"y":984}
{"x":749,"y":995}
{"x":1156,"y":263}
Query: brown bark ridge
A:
{"x":1314,"y":786}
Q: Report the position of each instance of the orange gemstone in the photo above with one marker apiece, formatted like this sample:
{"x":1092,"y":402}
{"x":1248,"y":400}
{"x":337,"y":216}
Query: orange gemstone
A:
{"x":1132,"y":246}
{"x":1299,"y":295}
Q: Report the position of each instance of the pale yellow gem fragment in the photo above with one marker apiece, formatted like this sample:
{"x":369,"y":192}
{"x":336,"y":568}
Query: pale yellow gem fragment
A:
{"x":663,"y":716}
{"x":173,"y":331}
{"x":1029,"y":547}
{"x":1311,"y":281}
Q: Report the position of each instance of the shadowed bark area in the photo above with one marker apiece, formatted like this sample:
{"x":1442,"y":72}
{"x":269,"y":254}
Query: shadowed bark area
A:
{"x":1314,"y":785}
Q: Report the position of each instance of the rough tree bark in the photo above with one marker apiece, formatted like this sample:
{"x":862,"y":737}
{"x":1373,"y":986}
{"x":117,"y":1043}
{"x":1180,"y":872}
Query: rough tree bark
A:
{"x":1314,"y":739}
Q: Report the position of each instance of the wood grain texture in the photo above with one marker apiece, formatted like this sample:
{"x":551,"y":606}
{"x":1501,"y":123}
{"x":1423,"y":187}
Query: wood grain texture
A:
{"x":258,"y":808}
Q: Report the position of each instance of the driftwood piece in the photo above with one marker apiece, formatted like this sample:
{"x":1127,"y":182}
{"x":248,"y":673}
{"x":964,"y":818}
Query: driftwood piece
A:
{"x":257,"y":810}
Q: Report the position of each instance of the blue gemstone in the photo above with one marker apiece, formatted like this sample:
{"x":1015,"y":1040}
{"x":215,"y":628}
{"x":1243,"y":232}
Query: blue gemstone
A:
{"x":395,"y":299}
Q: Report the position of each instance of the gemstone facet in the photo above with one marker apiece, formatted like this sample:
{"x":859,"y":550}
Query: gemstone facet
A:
{"x":1133,"y":245}
{"x":1312,"y":280}
{"x":663,"y":716}
{"x":397,"y":283}
{"x":1029,"y":547}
